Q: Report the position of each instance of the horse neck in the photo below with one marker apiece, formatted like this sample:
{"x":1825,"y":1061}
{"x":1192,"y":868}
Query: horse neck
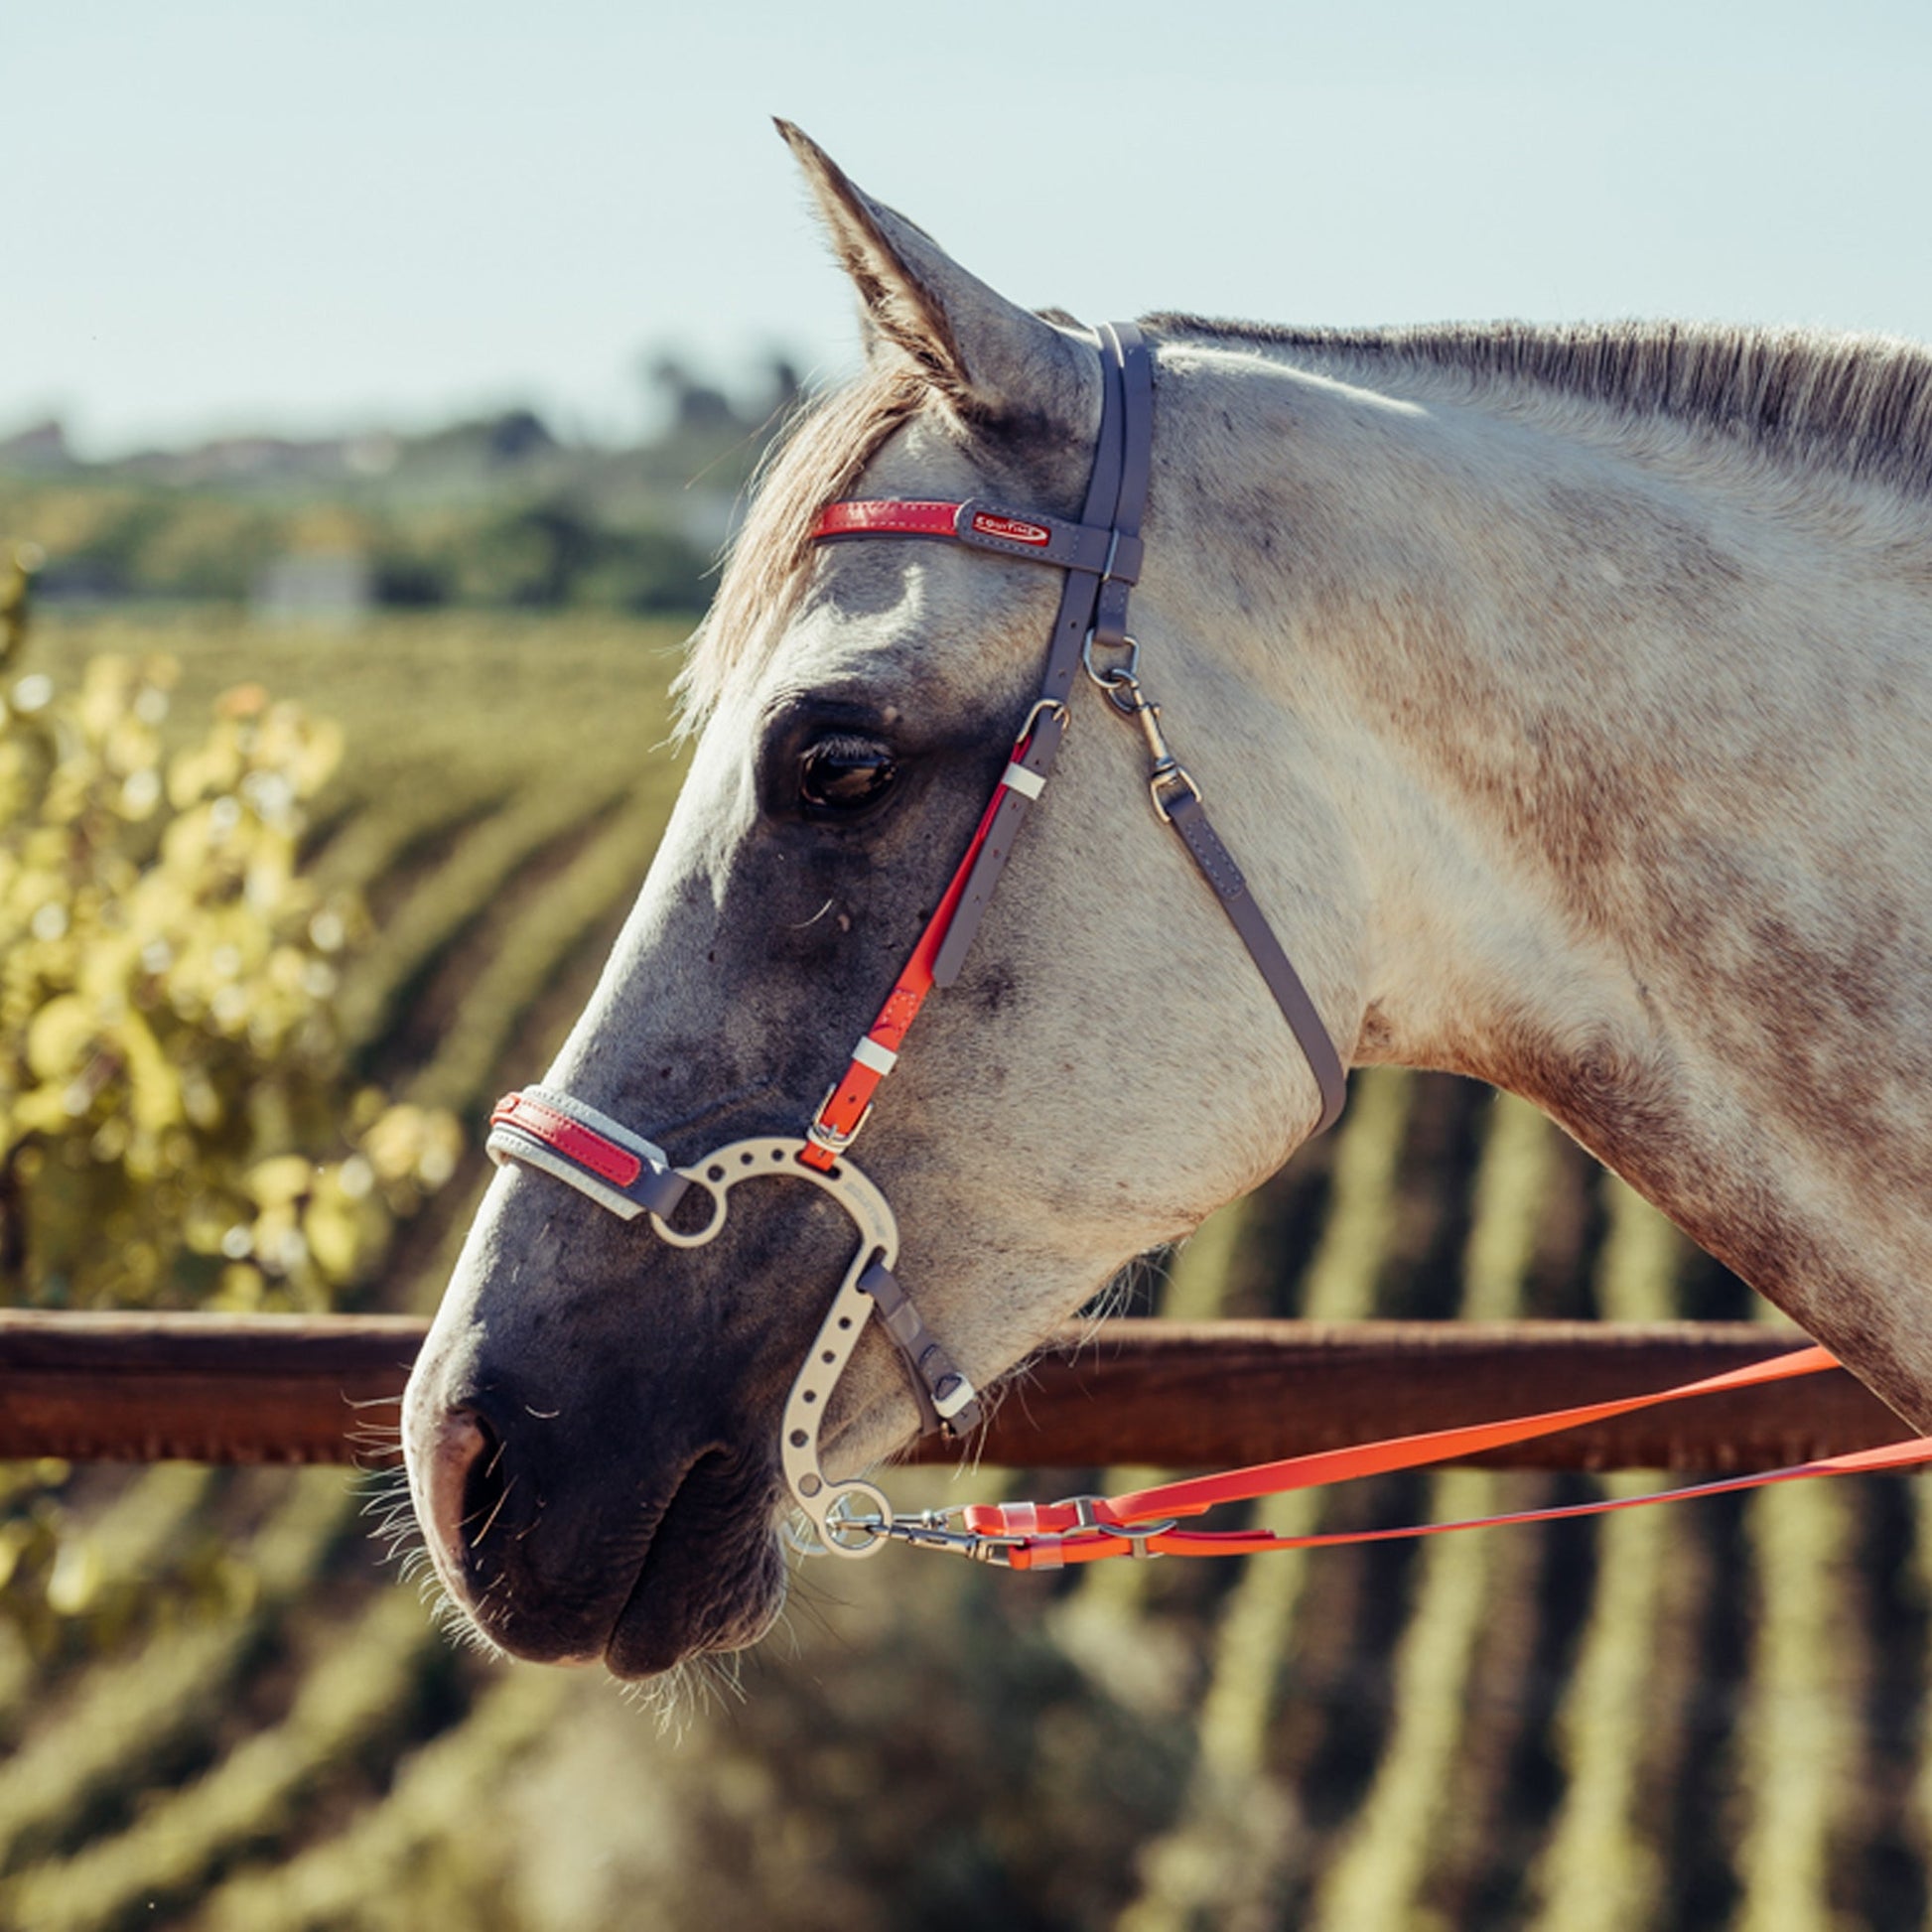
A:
{"x":1631,"y":735}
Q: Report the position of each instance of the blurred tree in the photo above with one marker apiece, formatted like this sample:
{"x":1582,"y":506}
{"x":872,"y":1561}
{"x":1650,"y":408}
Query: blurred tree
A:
{"x":520,"y":434}
{"x":693,"y":406}
{"x":493,"y":511}
{"x":785,"y":388}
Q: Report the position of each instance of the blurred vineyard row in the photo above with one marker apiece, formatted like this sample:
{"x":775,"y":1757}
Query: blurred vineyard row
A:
{"x":1712,"y":1717}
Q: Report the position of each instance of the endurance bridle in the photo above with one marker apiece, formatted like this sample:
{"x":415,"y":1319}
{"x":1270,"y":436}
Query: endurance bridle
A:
{"x":600,"y":1157}
{"x":603,"y":1158}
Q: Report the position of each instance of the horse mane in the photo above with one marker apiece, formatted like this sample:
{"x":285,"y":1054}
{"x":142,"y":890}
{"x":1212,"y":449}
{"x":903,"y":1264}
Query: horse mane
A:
{"x":817,"y":458}
{"x":1858,"y":404}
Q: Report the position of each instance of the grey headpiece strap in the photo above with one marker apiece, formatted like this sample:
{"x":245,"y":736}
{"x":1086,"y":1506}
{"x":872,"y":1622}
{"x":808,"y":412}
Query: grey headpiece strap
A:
{"x":1080,"y":595}
{"x":1092,"y":619}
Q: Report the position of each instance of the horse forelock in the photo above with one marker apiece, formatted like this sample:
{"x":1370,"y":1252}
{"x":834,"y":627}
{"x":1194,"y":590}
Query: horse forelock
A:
{"x":1855,"y":403}
{"x":817,"y":459}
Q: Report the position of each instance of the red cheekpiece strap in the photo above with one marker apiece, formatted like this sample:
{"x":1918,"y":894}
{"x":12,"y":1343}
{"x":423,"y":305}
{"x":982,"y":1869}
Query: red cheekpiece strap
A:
{"x":845,"y":1107}
{"x":571,"y":1138}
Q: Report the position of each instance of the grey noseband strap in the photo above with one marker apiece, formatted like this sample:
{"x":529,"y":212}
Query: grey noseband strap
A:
{"x":946,"y":1399}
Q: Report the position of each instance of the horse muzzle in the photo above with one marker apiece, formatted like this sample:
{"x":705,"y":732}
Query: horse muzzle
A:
{"x":670,"y":1550}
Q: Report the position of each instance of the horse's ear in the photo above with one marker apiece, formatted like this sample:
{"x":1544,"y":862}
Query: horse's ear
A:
{"x":989,"y":356}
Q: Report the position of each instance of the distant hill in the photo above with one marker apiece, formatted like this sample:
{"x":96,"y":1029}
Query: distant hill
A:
{"x":497,"y":511}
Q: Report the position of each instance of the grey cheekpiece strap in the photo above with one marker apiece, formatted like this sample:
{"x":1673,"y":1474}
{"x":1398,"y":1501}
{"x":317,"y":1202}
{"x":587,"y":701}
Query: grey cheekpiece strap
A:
{"x":1189,"y":817}
{"x":945,"y":1397}
{"x":1094,"y":615}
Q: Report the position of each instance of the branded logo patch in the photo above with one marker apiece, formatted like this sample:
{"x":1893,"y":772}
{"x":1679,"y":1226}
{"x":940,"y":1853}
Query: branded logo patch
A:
{"x":986,"y":525}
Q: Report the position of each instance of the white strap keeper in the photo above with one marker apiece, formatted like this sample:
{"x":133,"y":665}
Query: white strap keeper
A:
{"x":946,"y":1407}
{"x":869,"y":1053}
{"x":1030,"y":784}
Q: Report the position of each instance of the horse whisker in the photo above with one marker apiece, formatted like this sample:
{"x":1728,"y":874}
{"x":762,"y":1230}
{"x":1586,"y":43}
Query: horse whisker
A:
{"x":475,"y":1542}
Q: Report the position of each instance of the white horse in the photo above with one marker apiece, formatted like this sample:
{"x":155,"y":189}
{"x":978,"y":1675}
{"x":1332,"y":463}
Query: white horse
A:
{"x":1568,"y":696}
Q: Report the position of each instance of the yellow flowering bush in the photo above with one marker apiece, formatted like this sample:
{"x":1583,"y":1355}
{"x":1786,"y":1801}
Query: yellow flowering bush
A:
{"x":177,"y":1127}
{"x":174,"y":1124}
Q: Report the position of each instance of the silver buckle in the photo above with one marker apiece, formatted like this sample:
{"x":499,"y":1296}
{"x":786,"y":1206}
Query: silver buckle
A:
{"x":1177,"y":775}
{"x":828,"y":1140}
{"x":1044,"y":708}
{"x":1138,"y":1535}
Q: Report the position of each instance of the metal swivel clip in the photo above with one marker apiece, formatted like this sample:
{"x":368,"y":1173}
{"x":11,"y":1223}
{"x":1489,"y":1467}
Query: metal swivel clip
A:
{"x":1119,"y":683}
{"x":926,"y":1529}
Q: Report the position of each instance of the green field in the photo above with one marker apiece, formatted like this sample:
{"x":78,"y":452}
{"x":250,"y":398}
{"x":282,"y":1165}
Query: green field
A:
{"x":1712,"y":1717}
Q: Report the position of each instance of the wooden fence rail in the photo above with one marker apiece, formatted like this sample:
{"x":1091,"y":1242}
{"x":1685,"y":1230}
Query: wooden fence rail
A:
{"x":324,"y":1389}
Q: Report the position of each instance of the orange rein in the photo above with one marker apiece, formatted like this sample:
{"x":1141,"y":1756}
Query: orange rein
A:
{"x":1144,"y":1522}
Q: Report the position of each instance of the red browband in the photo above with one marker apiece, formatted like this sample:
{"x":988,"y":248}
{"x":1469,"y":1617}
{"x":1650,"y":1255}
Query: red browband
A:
{"x":886,"y":519}
{"x":1107,"y":552}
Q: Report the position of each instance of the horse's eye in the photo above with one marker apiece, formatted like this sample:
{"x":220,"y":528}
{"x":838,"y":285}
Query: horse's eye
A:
{"x":844,"y":774}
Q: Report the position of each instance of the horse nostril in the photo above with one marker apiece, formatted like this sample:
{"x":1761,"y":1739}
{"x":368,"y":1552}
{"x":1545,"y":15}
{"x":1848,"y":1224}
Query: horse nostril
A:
{"x":460,"y":1447}
{"x":485,"y":1486}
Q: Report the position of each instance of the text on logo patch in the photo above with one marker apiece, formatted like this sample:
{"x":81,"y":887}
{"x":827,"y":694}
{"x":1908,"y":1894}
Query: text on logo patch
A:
{"x":986,"y":525}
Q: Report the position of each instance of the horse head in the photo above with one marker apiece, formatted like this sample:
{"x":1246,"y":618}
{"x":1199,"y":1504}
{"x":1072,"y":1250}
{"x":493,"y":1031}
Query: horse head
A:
{"x":592,"y":1429}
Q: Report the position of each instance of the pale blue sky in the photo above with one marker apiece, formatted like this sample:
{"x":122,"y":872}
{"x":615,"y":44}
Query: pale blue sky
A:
{"x":228,"y":214}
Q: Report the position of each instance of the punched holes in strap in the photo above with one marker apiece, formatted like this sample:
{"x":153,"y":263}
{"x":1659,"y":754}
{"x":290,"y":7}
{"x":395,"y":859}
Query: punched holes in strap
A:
{"x":586,"y":1150}
{"x":1021,"y":784}
{"x":1115,"y":492}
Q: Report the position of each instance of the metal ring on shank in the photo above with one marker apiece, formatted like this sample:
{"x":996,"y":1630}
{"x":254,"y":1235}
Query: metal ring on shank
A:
{"x":698,"y":1178}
